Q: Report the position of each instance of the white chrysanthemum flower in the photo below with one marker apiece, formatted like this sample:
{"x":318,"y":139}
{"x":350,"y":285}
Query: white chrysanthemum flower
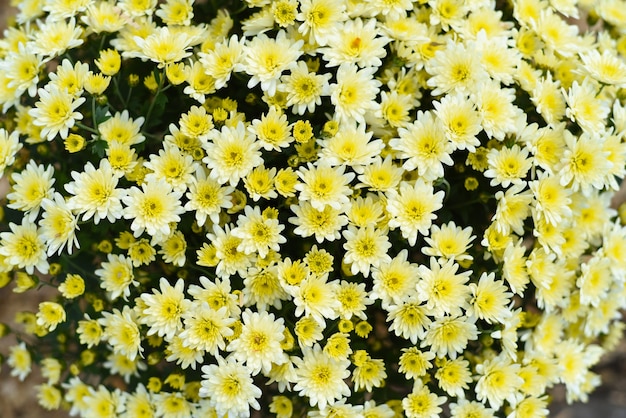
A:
{"x":9,"y":146}
{"x":548,"y":98}
{"x":50,"y":314}
{"x":24,"y":247}
{"x":594,"y":281}
{"x":381,"y":175}
{"x":231,"y":260}
{"x":259,"y":343}
{"x":461,"y":121}
{"x":512,"y":209}
{"x":176,"y":12}
{"x":442,"y":288}
{"x":266,"y":58}
{"x":231,"y":153}
{"x":136,"y":8}
{"x":122,"y":128}
{"x":121,"y":331}
{"x":391,"y":10}
{"x":207,"y":198}
{"x":70,"y":77}
{"x":95,"y":194}
{"x":258,"y":233}
{"x":223,"y":59}
{"x":557,"y":34}
{"x":447,"y":13}
{"x":354,"y":93}
{"x":152,"y":208}
{"x":365,"y":248}
{"x":497,"y":56}
{"x":272,"y":130}
{"x":324,"y":185}
{"x":217,"y":293}
{"x":356,"y":43}
{"x":422,"y":403}
{"x":63,"y":9}
{"x":499,"y":381}
{"x":321,"y":377}
{"x":498,"y":113}
{"x":30,"y":187}
{"x":229,"y":387}
{"x":425,"y":146}
{"x":54,"y":37}
{"x":56,"y":111}
{"x":449,"y":335}
{"x":394,"y":280}
{"x":206,"y":329}
{"x":22,"y":69}
{"x":353,"y":299}
{"x":552,"y":200}
{"x":586,"y":108}
{"x":456,"y":67}
{"x":20,"y":361}
{"x":584,"y":164}
{"x":449,"y":241}
{"x":508,"y":165}
{"x":490,"y":299}
{"x":320,"y":19}
{"x":163,"y":46}
{"x":315,"y":298}
{"x":351,"y":146}
{"x":412,"y":208}
{"x":164,"y":309}
{"x":324,"y":224}
{"x":58,"y":225}
{"x":116,"y":276}
{"x":304,"y":88}
{"x":176,"y":168}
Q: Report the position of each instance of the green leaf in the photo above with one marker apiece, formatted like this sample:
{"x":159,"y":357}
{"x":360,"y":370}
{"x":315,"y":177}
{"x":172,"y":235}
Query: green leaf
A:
{"x":102,"y":114}
{"x":99,"y":147}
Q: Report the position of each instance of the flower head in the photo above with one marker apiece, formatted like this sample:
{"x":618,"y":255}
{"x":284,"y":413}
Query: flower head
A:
{"x":56,"y":111}
{"x":229,"y":388}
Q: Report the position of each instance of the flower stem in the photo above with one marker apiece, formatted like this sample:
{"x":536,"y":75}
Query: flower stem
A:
{"x":87,"y":128}
{"x":154,"y":99}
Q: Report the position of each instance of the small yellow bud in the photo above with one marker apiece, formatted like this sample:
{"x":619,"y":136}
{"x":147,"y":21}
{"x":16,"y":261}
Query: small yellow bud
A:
{"x":97,"y":83}
{"x":109,"y":62}
{"x":74,"y":369}
{"x":150,"y":83}
{"x":105,"y":246}
{"x":363,"y":329}
{"x":98,"y":305}
{"x":154,"y":384}
{"x":345,"y":326}
{"x":302,"y":131}
{"x":87,"y":357}
{"x":154,"y":358}
{"x":471,"y":183}
{"x":55,"y":269}
{"x":24,"y":282}
{"x":133,"y":80}
{"x":175,"y":380}
{"x":74,"y":143}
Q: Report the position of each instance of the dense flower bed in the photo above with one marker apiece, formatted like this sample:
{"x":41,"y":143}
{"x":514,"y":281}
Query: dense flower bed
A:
{"x":317,"y":208}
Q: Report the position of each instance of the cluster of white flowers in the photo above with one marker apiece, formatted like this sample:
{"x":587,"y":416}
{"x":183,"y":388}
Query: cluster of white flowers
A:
{"x":315,"y":207}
